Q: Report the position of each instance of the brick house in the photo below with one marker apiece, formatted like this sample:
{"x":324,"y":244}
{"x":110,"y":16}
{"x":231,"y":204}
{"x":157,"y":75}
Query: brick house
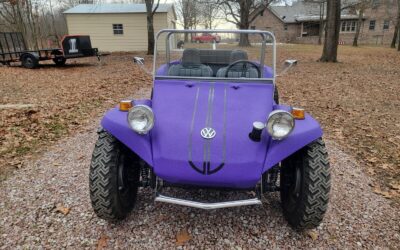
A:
{"x":300,"y":22}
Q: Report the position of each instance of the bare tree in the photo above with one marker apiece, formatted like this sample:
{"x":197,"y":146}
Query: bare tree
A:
{"x":188,"y":13}
{"x":18,"y":16}
{"x":329,"y":53}
{"x":151,"y":8}
{"x":53,"y":21}
{"x":242,"y":13}
{"x":38,"y":21}
{"x":395,"y":34}
{"x":360,"y":7}
{"x":321,"y":20}
{"x":209,"y":12}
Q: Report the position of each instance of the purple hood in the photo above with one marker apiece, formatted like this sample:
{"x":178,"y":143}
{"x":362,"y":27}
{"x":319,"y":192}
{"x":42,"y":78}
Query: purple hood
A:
{"x":183,"y":108}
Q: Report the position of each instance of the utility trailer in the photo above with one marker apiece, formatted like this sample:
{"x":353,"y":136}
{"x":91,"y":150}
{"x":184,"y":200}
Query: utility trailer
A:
{"x":13,"y":49}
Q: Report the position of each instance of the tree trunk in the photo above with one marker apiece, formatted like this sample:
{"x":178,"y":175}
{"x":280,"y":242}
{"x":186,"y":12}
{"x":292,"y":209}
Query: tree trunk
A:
{"x":21,"y":26}
{"x":321,"y":22}
{"x":244,"y":38}
{"x":395,"y":35}
{"x":31,"y":24}
{"x":398,"y":38}
{"x":150,"y":35}
{"x":151,"y":10}
{"x":186,"y":35}
{"x":329,"y":53}
{"x":244,"y":23}
{"x":359,"y":22}
{"x":53,"y":26}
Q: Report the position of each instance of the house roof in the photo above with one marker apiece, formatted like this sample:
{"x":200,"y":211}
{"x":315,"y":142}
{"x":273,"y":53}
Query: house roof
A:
{"x":304,"y":11}
{"x":115,"y":8}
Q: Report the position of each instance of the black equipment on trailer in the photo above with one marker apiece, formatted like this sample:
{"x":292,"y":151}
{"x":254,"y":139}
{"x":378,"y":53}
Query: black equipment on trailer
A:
{"x":13,"y":49}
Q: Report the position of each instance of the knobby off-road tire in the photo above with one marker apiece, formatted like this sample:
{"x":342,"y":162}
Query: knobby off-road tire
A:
{"x":113,"y":178}
{"x":305,"y":186}
{"x":276,"y":95}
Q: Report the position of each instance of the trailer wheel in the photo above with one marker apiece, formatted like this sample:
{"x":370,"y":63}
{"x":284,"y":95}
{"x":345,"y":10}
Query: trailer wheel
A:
{"x":305,"y":186}
{"x":113,"y":178}
{"x":29,"y":61}
{"x":59,"y":61}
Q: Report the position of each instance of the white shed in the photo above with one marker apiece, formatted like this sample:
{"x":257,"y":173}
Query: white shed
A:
{"x":117,"y":27}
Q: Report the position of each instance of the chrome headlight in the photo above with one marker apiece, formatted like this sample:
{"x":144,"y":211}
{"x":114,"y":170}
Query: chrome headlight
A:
{"x":280,"y":124}
{"x":141,"y":119}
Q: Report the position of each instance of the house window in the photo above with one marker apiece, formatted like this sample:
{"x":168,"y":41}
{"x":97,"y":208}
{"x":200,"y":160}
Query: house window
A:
{"x":348,"y":26}
{"x":386,"y":24}
{"x":372,"y":25}
{"x":285,"y":27}
{"x":118,"y":29}
{"x":253,"y":27}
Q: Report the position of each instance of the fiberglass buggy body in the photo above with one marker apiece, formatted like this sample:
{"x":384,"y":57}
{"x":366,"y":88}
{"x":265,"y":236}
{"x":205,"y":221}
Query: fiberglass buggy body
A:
{"x":213,"y":121}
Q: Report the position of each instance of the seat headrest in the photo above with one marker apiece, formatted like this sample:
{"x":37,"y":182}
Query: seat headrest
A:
{"x":191,"y":57}
{"x":237,"y":55}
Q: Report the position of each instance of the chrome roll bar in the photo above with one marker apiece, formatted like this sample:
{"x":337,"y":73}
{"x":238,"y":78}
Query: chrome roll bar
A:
{"x":262,"y":33}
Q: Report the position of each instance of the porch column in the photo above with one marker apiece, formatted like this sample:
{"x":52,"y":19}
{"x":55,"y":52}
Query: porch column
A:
{"x":301,"y":31}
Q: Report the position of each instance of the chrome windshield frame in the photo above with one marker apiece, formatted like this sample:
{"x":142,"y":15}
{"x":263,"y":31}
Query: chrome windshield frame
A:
{"x":264,"y":35}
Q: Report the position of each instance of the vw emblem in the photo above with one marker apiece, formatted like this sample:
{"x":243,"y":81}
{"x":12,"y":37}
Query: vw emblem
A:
{"x":208,"y":133}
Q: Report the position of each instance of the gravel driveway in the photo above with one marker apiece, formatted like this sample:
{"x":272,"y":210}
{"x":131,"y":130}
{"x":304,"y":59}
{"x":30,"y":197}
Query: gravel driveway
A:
{"x":28,"y":218}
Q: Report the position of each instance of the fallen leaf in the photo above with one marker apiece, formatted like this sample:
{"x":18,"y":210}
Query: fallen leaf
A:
{"x":372,"y":159}
{"x":17,"y":164}
{"x":395,"y":186}
{"x":102,"y":242}
{"x":182,"y":237}
{"x":384,"y":166}
{"x":61,"y":209}
{"x":385,"y":194}
{"x":312,"y":234}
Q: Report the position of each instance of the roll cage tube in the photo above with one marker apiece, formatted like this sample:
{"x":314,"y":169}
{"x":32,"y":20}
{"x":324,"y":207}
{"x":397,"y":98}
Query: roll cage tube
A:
{"x":263,"y":34}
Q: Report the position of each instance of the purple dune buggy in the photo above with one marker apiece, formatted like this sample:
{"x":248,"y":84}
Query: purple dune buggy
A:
{"x":213,"y":122}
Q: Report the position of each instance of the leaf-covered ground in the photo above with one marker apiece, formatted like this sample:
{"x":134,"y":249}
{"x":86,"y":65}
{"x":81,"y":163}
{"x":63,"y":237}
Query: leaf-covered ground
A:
{"x":357,"y":102}
{"x":63,"y":100}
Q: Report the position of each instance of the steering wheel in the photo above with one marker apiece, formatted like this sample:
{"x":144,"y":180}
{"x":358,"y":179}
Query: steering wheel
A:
{"x":244,"y":69}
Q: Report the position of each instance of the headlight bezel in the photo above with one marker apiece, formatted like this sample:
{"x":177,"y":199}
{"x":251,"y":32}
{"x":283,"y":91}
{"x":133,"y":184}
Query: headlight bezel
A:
{"x":272,"y":119}
{"x":148,"y":111}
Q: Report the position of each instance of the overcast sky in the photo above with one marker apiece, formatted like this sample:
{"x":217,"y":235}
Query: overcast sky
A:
{"x":221,"y":24}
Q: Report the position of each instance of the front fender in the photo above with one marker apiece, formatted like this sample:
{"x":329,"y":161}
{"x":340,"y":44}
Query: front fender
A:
{"x":115,"y":122}
{"x":304,"y":132}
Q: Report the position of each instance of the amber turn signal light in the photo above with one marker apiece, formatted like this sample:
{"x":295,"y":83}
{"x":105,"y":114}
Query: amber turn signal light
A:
{"x":125,"y":105}
{"x":298,"y":113}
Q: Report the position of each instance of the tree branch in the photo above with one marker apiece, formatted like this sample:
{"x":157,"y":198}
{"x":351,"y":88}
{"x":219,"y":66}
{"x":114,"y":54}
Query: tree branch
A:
{"x":251,"y":19}
{"x":232,"y":13}
{"x":155,"y":8}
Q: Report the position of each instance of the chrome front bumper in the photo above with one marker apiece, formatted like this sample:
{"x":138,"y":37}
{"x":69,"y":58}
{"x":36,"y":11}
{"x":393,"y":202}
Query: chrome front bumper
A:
{"x":202,"y":205}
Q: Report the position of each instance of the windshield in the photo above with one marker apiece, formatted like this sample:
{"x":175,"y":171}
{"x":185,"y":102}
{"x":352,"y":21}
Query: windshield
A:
{"x":216,"y":54}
